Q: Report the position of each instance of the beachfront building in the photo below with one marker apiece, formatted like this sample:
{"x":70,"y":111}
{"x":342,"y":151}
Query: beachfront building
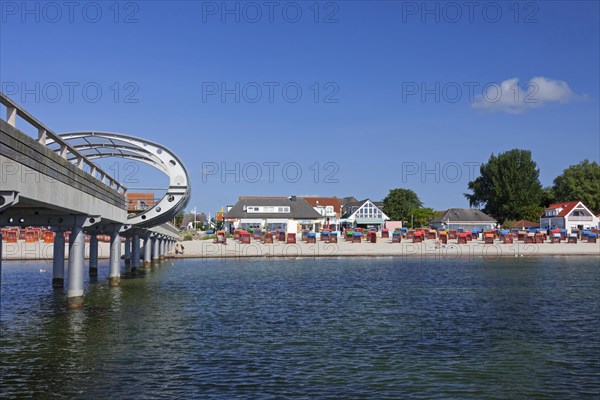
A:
{"x":568,"y":215}
{"x":463,"y":218}
{"x":524,"y":224}
{"x":364,"y":214}
{"x":139,"y":202}
{"x":330,"y":209}
{"x":192,"y":219}
{"x":289,"y":213}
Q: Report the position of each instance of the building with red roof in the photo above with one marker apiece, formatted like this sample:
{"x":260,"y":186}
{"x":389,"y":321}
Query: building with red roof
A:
{"x":329,"y":207}
{"x":568,"y":215}
{"x":523,"y":224}
{"x":139,"y":202}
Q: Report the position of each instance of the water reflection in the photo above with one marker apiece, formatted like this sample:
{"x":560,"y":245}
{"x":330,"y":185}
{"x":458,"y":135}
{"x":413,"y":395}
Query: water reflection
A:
{"x":355,"y":328}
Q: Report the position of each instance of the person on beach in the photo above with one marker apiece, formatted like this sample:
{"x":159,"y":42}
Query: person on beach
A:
{"x":176,"y":248}
{"x":181,"y":248}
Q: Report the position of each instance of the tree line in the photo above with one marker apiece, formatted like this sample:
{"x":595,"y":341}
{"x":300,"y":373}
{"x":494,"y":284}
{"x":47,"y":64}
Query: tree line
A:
{"x":508,"y":189}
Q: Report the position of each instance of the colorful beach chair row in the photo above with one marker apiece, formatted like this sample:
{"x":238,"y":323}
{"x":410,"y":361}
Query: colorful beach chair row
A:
{"x":34,"y":235}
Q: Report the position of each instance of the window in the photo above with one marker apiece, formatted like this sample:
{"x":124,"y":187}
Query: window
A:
{"x":268,"y":209}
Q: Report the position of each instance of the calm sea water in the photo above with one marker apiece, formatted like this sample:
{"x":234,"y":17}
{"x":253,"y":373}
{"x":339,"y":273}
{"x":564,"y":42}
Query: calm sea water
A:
{"x":329,"y":328}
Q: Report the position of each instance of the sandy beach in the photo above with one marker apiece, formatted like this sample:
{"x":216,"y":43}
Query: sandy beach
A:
{"x":383,"y":248}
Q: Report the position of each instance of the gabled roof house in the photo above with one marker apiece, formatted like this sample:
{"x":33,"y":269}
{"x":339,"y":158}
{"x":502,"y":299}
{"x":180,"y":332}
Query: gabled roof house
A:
{"x":272,"y":212}
{"x":568,"y":215}
{"x":463,"y":218}
{"x":139,"y":202}
{"x":365,"y":214}
{"x":330,"y":209}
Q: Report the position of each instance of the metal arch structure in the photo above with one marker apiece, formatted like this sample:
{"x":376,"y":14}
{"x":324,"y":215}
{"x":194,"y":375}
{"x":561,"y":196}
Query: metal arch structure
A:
{"x":107,"y":144}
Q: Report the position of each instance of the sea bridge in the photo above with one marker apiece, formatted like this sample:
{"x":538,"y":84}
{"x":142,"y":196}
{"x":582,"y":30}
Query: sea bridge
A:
{"x":52,"y":181}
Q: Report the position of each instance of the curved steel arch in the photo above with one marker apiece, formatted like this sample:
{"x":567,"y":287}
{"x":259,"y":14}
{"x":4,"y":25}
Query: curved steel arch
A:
{"x":160,"y":157}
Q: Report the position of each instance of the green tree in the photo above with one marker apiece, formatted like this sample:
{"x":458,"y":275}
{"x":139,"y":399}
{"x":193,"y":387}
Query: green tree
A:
{"x":399,"y":204}
{"x":179,"y":219}
{"x":421,"y":216}
{"x":580,"y":182}
{"x":508,"y":187}
{"x":548,"y":196}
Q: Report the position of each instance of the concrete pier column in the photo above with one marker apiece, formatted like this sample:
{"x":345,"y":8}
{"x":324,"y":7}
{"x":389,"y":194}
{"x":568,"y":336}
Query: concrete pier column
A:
{"x":76,"y":256}
{"x":135,"y":252}
{"x":127,"y":250}
{"x":58,"y":260}
{"x":147,"y":251}
{"x":93,"y":255}
{"x":155,"y":249}
{"x":161,"y":248}
{"x":114,"y":279}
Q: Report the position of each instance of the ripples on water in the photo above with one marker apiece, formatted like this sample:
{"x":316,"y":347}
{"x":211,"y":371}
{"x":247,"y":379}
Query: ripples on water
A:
{"x":335,"y":328}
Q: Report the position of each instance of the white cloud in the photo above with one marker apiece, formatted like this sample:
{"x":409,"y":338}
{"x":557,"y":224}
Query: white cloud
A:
{"x":511,"y":97}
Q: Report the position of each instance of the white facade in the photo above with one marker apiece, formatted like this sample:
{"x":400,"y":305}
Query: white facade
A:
{"x":368,"y":214}
{"x":326,"y":212}
{"x":290,"y":225}
{"x":579,"y":217}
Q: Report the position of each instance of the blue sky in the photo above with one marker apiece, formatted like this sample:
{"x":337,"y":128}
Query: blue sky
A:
{"x":393,"y":94}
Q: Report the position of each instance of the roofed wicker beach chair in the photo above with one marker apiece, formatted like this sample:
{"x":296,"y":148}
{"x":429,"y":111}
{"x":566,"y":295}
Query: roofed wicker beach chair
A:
{"x":572,"y":238}
{"x":592,"y":237}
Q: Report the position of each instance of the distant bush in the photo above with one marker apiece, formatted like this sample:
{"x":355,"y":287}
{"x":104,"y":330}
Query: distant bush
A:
{"x":508,"y":224}
{"x":187,"y":236}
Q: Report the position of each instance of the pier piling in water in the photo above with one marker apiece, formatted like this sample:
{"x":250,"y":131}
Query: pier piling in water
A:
{"x":135,"y":252}
{"x":147,"y":251}
{"x":114,"y":279}
{"x":93,"y":255}
{"x":76,"y":256}
{"x":155,"y":248}
{"x":58,"y":260}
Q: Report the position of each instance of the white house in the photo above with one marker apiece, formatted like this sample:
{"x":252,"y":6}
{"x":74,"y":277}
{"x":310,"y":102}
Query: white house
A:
{"x":364,"y":214}
{"x":288,"y":213}
{"x":330,"y":209}
{"x":568,"y":215}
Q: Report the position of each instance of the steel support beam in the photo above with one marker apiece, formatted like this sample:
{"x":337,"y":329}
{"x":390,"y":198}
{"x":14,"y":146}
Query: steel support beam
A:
{"x":8,"y":198}
{"x":14,"y":217}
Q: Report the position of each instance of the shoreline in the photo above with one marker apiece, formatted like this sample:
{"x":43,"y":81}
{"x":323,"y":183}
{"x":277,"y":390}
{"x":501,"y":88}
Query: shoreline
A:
{"x":206,"y":249}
